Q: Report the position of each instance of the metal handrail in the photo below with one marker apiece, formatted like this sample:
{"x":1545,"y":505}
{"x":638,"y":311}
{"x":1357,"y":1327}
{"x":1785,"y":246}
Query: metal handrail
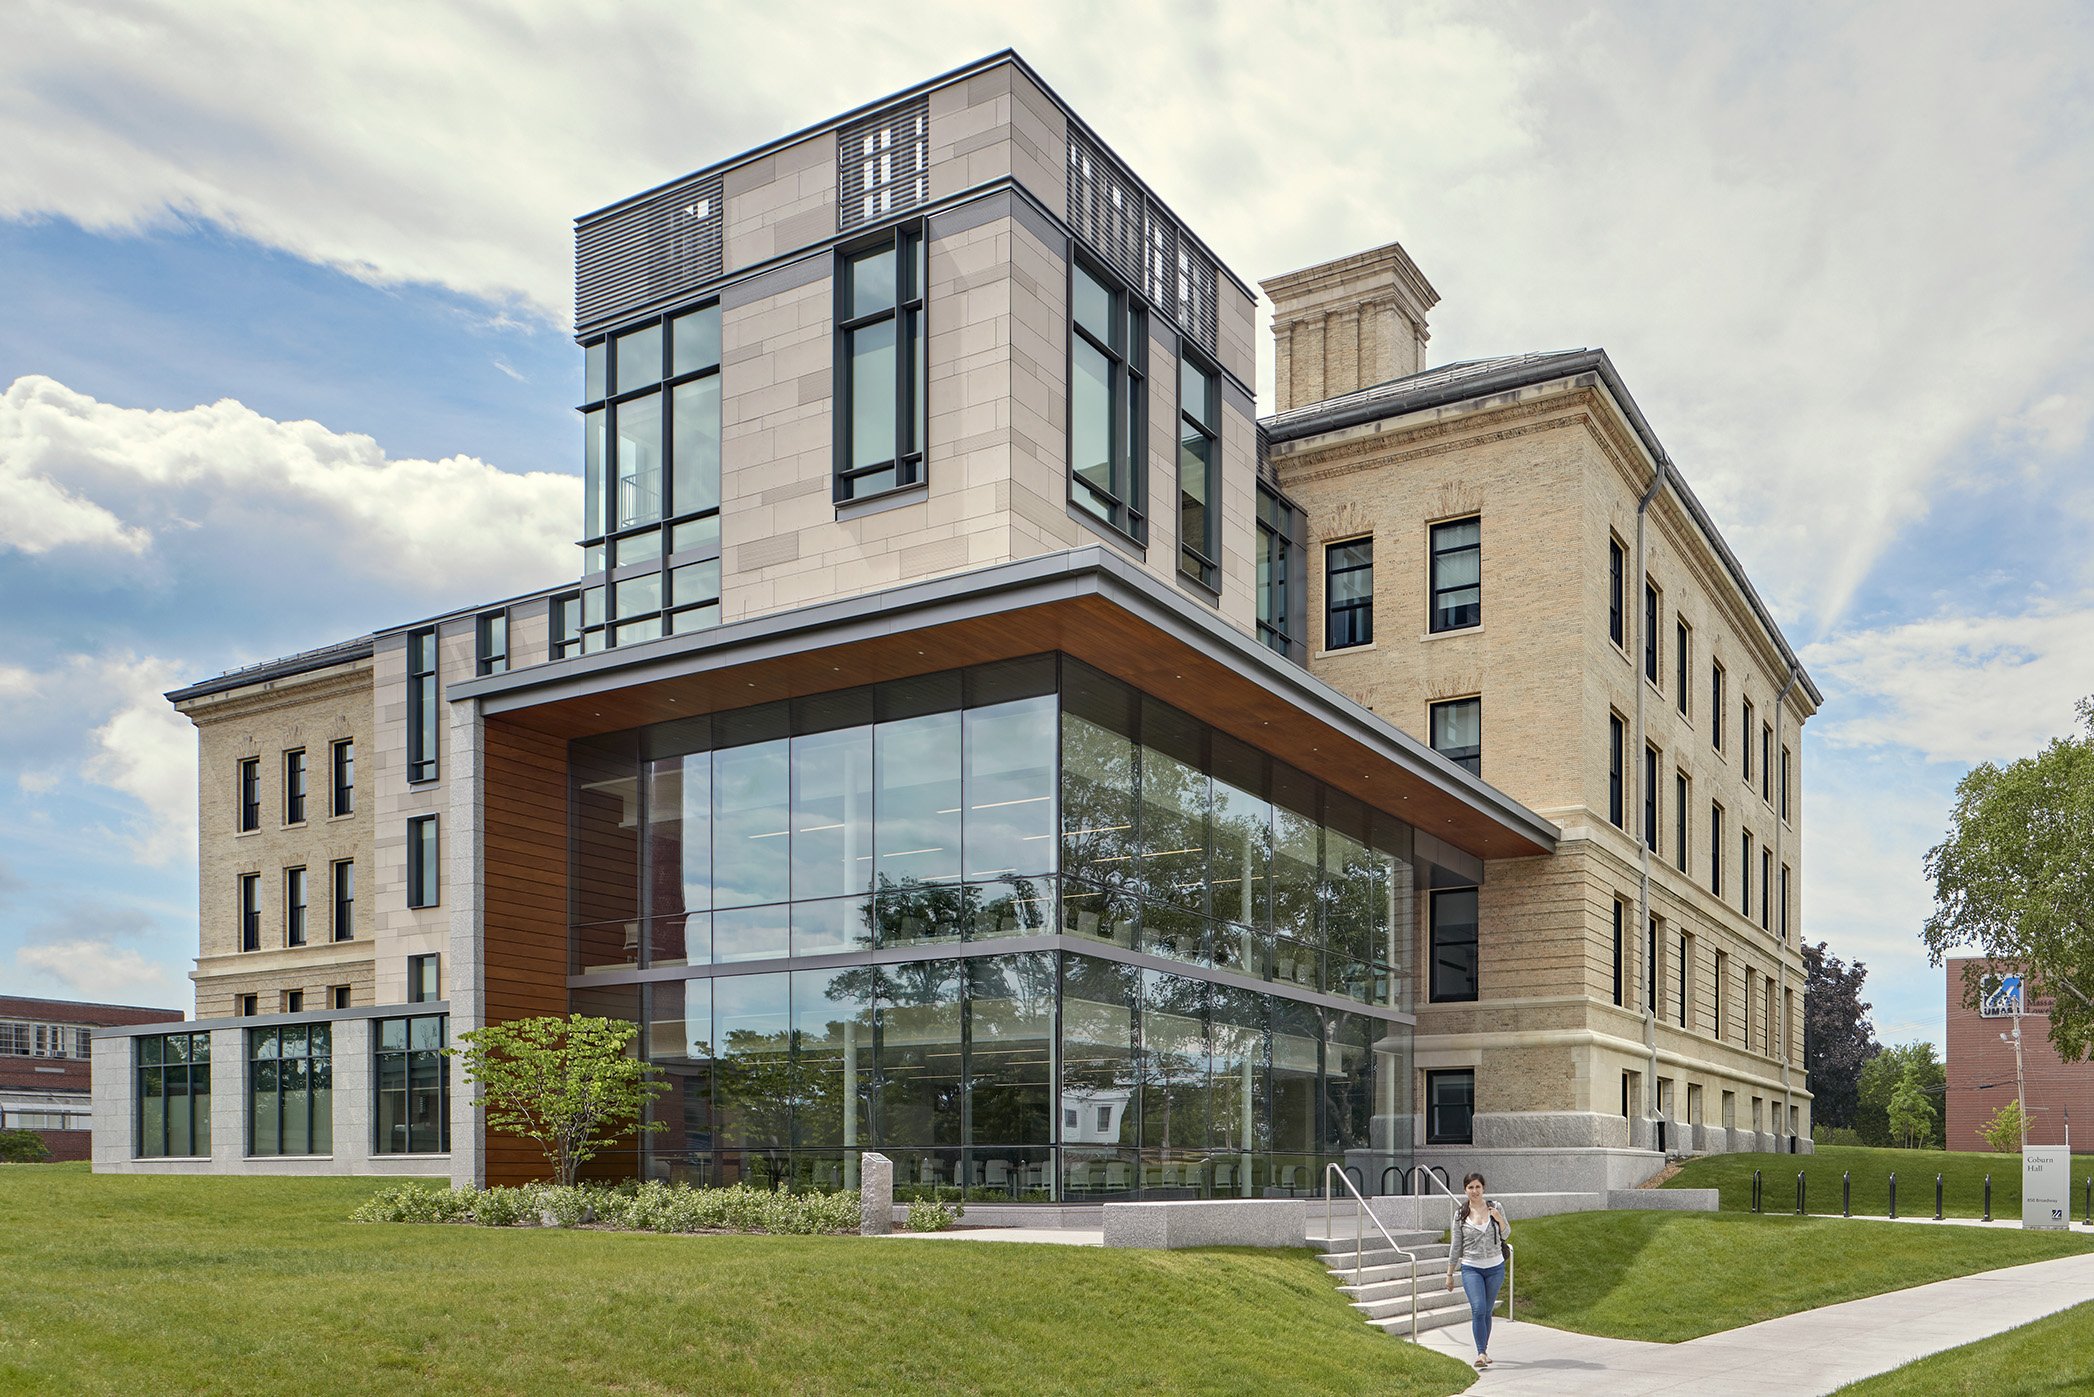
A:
{"x":1359,"y":1236}
{"x":1463,"y":1199}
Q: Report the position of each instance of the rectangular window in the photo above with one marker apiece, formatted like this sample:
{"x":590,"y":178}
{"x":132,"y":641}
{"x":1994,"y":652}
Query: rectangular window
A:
{"x":1650,"y":798}
{"x":1767,"y":763}
{"x":290,"y":1090}
{"x":250,"y":794}
{"x":1348,"y":594}
{"x":1686,"y":967}
{"x":491,"y":643}
{"x":342,"y":782}
{"x":1454,"y":961}
{"x":173,"y":1075}
{"x":1767,"y":1019}
{"x":1614,"y":771}
{"x":1650,"y":632}
{"x":421,"y":706}
{"x":294,"y":786}
{"x":1683,"y":645}
{"x":1679,"y":820}
{"x":294,"y":907}
{"x":345,"y":900}
{"x":413,"y":1085}
{"x":338,"y":997}
{"x":1450,"y":1107}
{"x":1457,"y":574}
{"x":422,"y":979}
{"x":566,"y":622}
{"x":1277,"y":521}
{"x":1108,"y":442}
{"x":250,"y":911}
{"x":880,"y":359}
{"x":1650,"y":966}
{"x":1784,"y":903}
{"x":1457,"y":732}
{"x":248,"y":1006}
{"x":1745,"y":871}
{"x":1716,"y":705}
{"x":1615,"y":602}
{"x":1745,"y":741}
{"x":294,"y":1001}
{"x":1766,"y":887}
{"x":1619,"y":910}
{"x":1199,"y":471}
{"x":1722,"y":993}
{"x":1785,"y":783}
{"x":1716,"y":849}
{"x":423,"y":885}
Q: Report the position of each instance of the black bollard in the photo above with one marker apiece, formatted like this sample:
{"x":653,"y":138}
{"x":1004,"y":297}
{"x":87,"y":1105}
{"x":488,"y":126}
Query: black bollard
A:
{"x":2090,"y":1202}
{"x":1894,"y":1196}
{"x":1846,"y":1193}
{"x":1755,"y":1190}
{"x":1937,"y":1198}
{"x":1988,"y":1198}
{"x":1799,"y":1193}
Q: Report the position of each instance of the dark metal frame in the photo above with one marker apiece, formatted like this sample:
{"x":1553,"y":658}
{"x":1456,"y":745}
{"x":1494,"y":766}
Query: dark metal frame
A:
{"x":295,"y":912}
{"x":1652,"y":759}
{"x":341,"y":777}
{"x":420,"y":876}
{"x":1360,"y":632}
{"x":379,"y":1053}
{"x":1620,"y":966}
{"x":422,"y":706}
{"x":1683,"y":669}
{"x":1682,"y":797}
{"x":1468,"y":759}
{"x":908,"y":240}
{"x":1617,"y":773}
{"x":1653,"y":613}
{"x":295,"y":774}
{"x":335,"y":881}
{"x":248,"y":789}
{"x":414,"y":963}
{"x":1283,"y":609}
{"x":1127,"y":514}
{"x":1716,"y":677}
{"x":1617,"y":580}
{"x":1199,"y":564}
{"x":1434,"y":556}
{"x":487,"y":657}
{"x":1716,"y":847}
{"x":312,"y":1114}
{"x":1433,"y":1135}
{"x":199,"y":1131}
{"x":1433,"y":943}
{"x":249,"y":901}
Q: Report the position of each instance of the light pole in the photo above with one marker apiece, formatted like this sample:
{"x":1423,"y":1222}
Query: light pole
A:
{"x":2021,"y":1104}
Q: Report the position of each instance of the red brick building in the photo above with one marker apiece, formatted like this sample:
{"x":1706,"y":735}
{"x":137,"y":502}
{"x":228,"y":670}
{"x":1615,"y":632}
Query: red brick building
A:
{"x":44,"y":1065}
{"x":1981,"y":1073}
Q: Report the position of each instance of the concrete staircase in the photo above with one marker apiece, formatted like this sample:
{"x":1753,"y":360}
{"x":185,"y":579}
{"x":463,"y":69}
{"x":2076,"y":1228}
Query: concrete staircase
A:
{"x":1382,"y":1293}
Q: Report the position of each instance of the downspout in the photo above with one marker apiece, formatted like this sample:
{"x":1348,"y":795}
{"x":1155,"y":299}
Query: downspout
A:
{"x":1635,"y":755}
{"x":1794,"y":1030}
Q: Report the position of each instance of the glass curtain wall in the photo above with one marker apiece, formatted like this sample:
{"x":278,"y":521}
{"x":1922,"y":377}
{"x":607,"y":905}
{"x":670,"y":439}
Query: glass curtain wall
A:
{"x":835,"y":883}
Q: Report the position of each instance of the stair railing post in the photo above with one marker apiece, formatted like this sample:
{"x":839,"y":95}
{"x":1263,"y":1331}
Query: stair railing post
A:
{"x":1846,"y":1193}
{"x":1894,"y":1195}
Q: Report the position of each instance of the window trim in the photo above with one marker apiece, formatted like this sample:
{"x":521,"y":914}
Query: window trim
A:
{"x":379,"y":1053}
{"x":1617,"y":775}
{"x":1129,"y":393}
{"x":295,"y":913}
{"x":1746,"y":714}
{"x":909,"y":241}
{"x":341,"y":761}
{"x":1617,"y":593}
{"x":1716,"y":847}
{"x":247,"y":795}
{"x":420,"y":894}
{"x":1682,"y":797}
{"x":1653,"y":761}
{"x":1620,"y":982}
{"x":1206,"y":560}
{"x":1683,"y":666}
{"x":341,"y":871}
{"x":247,"y":902}
{"x":1434,"y":555}
{"x":1717,"y":674}
{"x":1358,"y":606}
{"x":295,"y":790}
{"x":1433,"y":1136}
{"x":1653,"y":615}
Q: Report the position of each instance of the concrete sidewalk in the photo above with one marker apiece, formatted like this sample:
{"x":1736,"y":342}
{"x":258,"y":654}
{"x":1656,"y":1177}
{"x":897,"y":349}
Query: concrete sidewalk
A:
{"x":1814,"y":1352}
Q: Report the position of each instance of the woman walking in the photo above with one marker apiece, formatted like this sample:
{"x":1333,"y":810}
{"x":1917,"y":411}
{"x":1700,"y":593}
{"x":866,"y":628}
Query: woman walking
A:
{"x":1476,"y":1248}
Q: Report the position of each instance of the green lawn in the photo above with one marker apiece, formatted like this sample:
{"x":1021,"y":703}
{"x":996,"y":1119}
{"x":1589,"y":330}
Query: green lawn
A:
{"x":1963,"y":1181}
{"x":1675,"y":1276}
{"x":2053,"y":1355}
{"x":128,"y":1284}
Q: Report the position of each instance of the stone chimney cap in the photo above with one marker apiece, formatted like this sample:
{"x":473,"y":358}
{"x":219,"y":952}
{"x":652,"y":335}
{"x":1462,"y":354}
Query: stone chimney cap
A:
{"x":1350,"y":279}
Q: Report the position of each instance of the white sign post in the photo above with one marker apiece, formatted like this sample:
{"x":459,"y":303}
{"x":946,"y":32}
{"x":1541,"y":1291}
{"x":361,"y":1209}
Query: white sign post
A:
{"x":2046,"y":1187}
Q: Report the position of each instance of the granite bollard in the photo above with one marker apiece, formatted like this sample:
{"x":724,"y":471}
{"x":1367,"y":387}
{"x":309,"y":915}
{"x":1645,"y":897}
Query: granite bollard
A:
{"x":875,"y":1195}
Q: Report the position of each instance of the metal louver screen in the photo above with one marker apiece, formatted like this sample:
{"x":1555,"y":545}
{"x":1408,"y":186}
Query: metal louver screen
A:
{"x":1141,"y":242}
{"x":1196,"y":292}
{"x":883,"y":164}
{"x":647,"y":254}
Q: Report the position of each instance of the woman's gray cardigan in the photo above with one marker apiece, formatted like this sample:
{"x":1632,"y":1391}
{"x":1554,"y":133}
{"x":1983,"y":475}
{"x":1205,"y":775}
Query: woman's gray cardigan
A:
{"x":1454,"y":1232}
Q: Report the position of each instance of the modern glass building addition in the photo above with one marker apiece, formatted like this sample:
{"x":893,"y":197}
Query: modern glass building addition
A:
{"x":413,"y":1086}
{"x":1108,"y":395}
{"x":1457,"y":574}
{"x":290,"y":1090}
{"x":1457,"y":732}
{"x":173,"y":1093}
{"x":1199,"y":472}
{"x":880,"y":353}
{"x":1348,"y":594}
{"x":1280,"y":526}
{"x":423,"y":711}
{"x":839,"y":885}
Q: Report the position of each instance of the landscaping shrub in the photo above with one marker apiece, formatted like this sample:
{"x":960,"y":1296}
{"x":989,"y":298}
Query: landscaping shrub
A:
{"x":1834,"y":1135}
{"x":647,"y":1207}
{"x":931,"y":1215}
{"x":23,"y":1147}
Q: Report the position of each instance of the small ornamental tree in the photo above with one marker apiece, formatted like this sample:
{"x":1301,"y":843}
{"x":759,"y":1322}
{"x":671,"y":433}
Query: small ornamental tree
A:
{"x":2007,"y":1130}
{"x":568,"y":1084}
{"x":1911,"y":1117}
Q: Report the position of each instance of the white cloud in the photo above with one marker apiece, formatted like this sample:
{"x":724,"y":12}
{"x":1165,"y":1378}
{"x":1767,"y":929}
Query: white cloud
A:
{"x":102,"y":970}
{"x":147,"y":751}
{"x":221,"y":485}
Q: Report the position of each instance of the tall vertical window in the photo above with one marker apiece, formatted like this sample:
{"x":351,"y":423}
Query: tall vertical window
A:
{"x":294,"y":786}
{"x":1450,"y":1107}
{"x":345,"y":900}
{"x":173,"y":1073}
{"x":491,"y":643}
{"x":1614,"y":771}
{"x":565,"y":623}
{"x":1650,"y":798}
{"x":1615,"y":601}
{"x":1276,"y":524}
{"x":1679,"y":820}
{"x":1766,"y":887}
{"x":413,"y":1086}
{"x":250,"y":794}
{"x":880,"y":352}
{"x":1745,"y":871}
{"x":1618,"y":988}
{"x":1686,"y":967}
{"x":1650,"y":966}
{"x":1457,"y":574}
{"x":250,"y":911}
{"x":421,"y":706}
{"x":1716,"y":705}
{"x":1784,"y":903}
{"x":342,"y":778}
{"x":1716,"y":849}
{"x":1722,"y":993}
{"x":1108,"y":358}
{"x":294,"y":907}
{"x":1454,"y":961}
{"x":1199,"y":471}
{"x":1745,"y":741}
{"x":1767,"y":762}
{"x":1650,"y":632}
{"x":1348,"y":594}
{"x":423,"y":985}
{"x":1785,"y":783}
{"x":1457,"y":732}
{"x":1683,"y":643}
{"x":423,"y":885}
{"x":291,"y":1090}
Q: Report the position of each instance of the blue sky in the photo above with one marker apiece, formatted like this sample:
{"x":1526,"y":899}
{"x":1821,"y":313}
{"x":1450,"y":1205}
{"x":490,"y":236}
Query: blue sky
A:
{"x":283,"y":294}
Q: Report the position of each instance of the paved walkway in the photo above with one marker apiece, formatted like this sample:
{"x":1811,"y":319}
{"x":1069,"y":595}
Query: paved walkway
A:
{"x":1813,"y":1352}
{"x":1059,"y":1236}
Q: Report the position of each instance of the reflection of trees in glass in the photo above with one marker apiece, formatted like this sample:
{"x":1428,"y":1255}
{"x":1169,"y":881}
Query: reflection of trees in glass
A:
{"x":1173,"y":1062}
{"x":1098,"y":815}
{"x":1010,"y":1008}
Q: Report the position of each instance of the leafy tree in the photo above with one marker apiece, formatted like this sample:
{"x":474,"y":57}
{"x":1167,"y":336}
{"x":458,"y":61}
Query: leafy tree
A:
{"x":1881,"y":1077}
{"x":23,"y":1147}
{"x":1838,"y":1039}
{"x":2014,"y":879}
{"x":2007,"y":1130}
{"x":1911,"y":1115}
{"x":567,"y":1084}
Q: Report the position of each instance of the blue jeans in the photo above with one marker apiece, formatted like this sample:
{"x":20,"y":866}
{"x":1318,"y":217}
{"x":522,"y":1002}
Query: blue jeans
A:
{"x":1480,"y":1284}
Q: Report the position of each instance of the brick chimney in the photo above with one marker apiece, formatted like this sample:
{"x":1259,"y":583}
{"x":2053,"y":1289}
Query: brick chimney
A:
{"x":1348,"y":324}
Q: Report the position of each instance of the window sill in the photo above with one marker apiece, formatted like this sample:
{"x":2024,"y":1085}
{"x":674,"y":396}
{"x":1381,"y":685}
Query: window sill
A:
{"x":245,"y":833}
{"x":295,"y":824}
{"x":337,"y":819}
{"x":1326,"y":653}
{"x":1476,"y":629}
{"x":423,"y":780}
{"x":900,"y":497}
{"x":1111,"y":533}
{"x":1194,"y":587}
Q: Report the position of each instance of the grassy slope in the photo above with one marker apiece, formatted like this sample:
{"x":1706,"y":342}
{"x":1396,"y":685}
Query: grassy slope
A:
{"x":171,"y":1285}
{"x":1674,"y":1276}
{"x":1963,"y":1180}
{"x":2053,"y":1355}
